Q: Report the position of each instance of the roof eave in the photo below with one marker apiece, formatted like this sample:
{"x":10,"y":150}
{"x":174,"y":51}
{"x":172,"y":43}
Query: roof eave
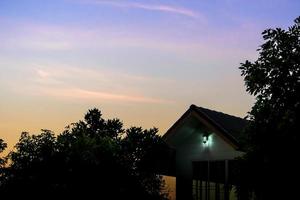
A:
{"x":202,"y":116}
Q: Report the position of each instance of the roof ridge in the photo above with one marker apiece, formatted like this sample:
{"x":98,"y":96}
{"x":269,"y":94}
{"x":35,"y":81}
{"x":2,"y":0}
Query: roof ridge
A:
{"x":195,"y":106}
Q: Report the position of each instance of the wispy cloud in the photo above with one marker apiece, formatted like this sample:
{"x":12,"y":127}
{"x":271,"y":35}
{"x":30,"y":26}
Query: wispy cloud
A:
{"x":41,"y":73}
{"x":47,"y":37}
{"x":83,"y":84}
{"x":29,"y":36}
{"x":166,"y":8}
{"x":63,"y":73}
{"x":83,"y":94}
{"x":150,"y":7}
{"x":37,"y":37}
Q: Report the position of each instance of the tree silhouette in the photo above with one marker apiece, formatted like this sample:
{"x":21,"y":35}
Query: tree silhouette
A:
{"x":271,"y":161}
{"x":3,"y":146}
{"x":91,"y":158}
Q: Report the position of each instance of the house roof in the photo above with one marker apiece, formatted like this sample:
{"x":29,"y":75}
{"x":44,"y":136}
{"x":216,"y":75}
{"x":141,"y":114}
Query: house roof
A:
{"x":230,"y":126}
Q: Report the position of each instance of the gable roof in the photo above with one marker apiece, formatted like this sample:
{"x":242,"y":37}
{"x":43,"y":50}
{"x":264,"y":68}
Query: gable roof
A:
{"x":230,"y":126}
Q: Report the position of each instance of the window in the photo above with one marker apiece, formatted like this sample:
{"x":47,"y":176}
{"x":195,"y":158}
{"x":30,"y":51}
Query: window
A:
{"x":211,"y":180}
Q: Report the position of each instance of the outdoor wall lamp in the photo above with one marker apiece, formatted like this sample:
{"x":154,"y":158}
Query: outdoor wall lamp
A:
{"x":205,"y":137}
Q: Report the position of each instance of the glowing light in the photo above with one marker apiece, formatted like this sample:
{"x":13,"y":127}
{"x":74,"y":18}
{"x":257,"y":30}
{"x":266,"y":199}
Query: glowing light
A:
{"x":207,"y":140}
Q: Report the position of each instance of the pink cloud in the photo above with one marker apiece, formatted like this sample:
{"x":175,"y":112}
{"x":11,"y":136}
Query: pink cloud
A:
{"x":83,"y":94}
{"x":58,"y":81}
{"x":151,"y":7}
{"x":166,"y":8}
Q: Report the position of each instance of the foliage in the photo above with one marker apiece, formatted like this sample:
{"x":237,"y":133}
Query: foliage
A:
{"x":91,"y":158}
{"x":271,"y":160}
{"x":3,"y":146}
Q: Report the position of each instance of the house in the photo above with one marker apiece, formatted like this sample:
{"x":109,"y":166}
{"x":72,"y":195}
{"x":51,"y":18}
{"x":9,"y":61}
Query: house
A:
{"x":205,"y":145}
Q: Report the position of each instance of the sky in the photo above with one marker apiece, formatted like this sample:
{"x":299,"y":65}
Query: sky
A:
{"x":144,"y":62}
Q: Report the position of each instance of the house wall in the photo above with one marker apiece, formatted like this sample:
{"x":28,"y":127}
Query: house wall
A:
{"x":187,"y":139}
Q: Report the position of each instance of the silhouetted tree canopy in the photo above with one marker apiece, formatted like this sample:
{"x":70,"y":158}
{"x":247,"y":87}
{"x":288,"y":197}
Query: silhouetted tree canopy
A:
{"x":271,"y":161}
{"x":3,"y":146}
{"x":91,"y":158}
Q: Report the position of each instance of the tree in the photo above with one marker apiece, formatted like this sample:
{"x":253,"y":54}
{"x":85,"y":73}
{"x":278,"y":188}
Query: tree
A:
{"x":91,"y":158}
{"x":271,"y":161}
{"x":143,"y":152}
{"x":3,"y":146}
{"x":31,"y":165}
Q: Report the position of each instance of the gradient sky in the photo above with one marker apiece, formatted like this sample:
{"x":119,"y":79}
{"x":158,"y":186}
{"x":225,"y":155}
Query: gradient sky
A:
{"x":142,"y":61}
